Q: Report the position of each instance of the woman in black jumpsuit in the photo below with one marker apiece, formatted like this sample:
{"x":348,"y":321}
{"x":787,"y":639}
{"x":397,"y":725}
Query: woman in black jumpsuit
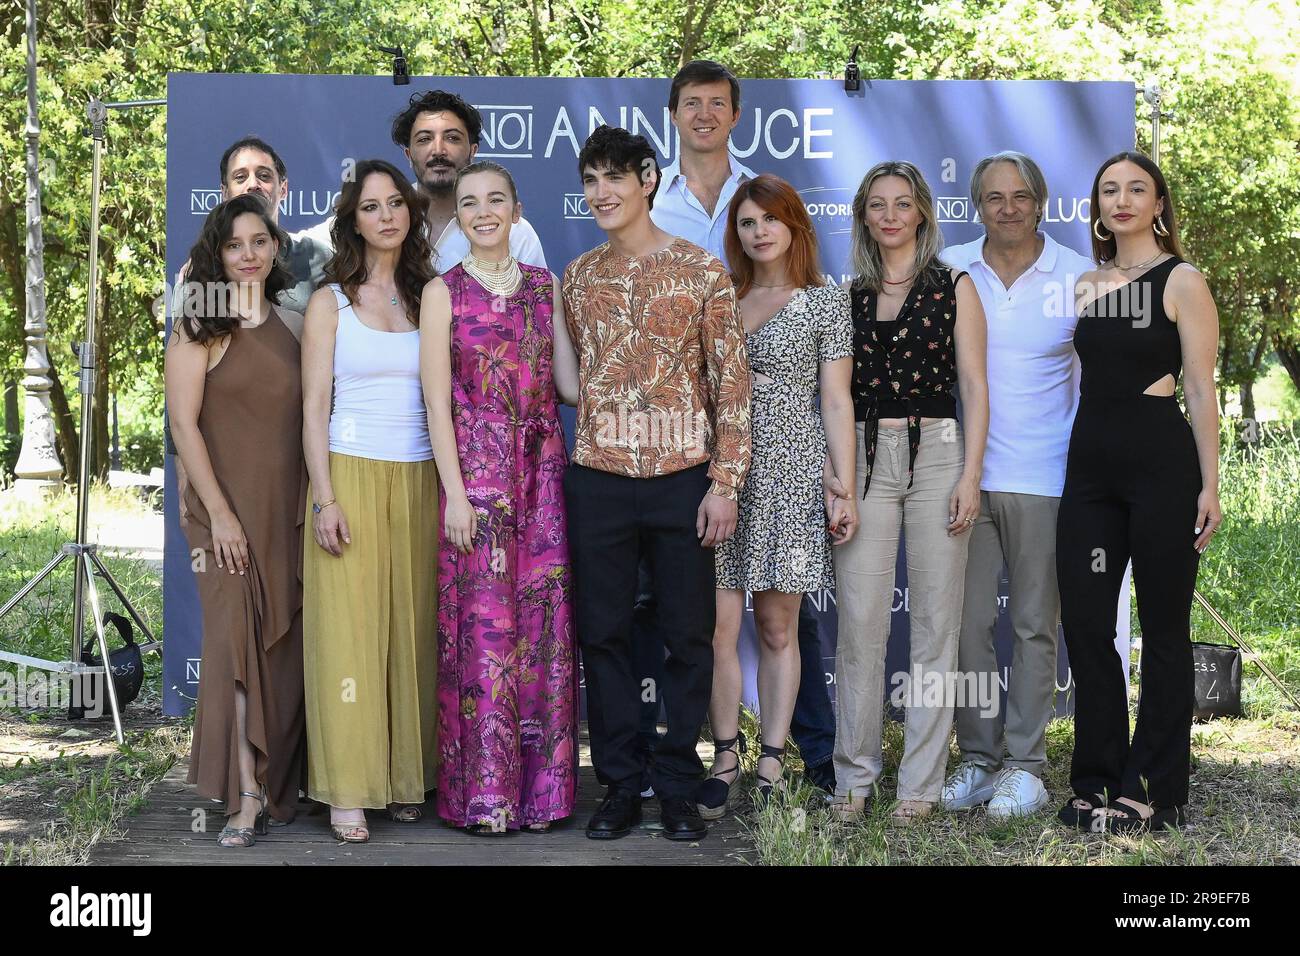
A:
{"x":1140,"y":483}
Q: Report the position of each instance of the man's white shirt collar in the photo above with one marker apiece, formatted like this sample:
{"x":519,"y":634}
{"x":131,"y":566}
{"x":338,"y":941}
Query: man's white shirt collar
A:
{"x":1045,"y":262}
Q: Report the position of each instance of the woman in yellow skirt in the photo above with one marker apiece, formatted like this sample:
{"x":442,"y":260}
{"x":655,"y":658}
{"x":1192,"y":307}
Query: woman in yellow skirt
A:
{"x":369,"y":574}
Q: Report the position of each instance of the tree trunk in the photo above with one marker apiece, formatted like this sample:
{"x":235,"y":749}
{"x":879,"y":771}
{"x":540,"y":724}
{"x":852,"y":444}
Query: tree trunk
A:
{"x":1247,"y":389}
{"x":1288,"y":353}
{"x":66,"y":424}
{"x":693,"y":28}
{"x":1247,"y":395}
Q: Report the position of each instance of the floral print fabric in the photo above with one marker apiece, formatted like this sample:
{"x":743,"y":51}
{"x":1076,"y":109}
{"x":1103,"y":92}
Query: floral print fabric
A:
{"x":664,"y":383}
{"x":908,"y":367}
{"x":781,"y":540}
{"x":507,"y":679}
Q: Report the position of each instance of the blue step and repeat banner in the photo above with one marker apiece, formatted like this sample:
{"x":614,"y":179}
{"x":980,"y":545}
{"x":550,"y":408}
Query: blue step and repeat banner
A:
{"x":810,"y":132}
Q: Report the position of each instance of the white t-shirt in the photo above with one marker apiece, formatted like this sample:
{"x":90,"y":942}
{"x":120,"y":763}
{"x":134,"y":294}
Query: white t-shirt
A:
{"x":1032,"y":368}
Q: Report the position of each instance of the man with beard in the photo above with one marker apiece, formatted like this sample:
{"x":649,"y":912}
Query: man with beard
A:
{"x":439,"y":133}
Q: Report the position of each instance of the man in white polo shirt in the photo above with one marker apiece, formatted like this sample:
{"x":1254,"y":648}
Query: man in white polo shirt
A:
{"x":1026,"y":284}
{"x":439,"y":132}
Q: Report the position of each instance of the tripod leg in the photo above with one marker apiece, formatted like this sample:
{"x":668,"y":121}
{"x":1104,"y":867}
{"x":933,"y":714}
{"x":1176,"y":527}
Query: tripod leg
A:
{"x":121,"y":596}
{"x":103,"y":647}
{"x":27,"y":588}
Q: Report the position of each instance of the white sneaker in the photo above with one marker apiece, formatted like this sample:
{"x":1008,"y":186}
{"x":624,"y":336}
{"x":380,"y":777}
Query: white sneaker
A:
{"x":1017,"y":793}
{"x":968,"y":786}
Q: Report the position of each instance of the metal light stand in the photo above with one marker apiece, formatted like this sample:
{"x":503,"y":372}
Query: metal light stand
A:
{"x":1155,"y":99}
{"x":84,"y":553}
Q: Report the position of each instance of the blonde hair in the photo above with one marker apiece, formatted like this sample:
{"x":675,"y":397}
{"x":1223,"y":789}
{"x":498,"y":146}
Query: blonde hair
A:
{"x":864,"y":251}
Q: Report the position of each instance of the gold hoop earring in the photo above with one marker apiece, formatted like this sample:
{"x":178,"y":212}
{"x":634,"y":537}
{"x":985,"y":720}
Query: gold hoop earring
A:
{"x":1100,"y":237}
{"x":1159,"y":228}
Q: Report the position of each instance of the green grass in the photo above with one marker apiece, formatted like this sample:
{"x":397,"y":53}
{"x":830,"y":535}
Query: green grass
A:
{"x":1251,"y":573}
{"x":93,"y":793}
{"x":70,"y":784}
{"x":1245,"y":776}
{"x":31,"y":533}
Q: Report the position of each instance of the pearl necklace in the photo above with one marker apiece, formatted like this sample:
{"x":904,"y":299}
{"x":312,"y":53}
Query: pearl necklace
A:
{"x":498,"y":278}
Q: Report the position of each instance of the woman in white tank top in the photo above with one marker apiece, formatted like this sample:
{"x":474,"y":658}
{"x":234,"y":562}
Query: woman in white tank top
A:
{"x":369,"y":567}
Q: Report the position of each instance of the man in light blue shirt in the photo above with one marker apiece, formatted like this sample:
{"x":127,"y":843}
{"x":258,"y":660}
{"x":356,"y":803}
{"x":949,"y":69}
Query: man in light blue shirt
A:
{"x":704,"y":104}
{"x":694,"y":193}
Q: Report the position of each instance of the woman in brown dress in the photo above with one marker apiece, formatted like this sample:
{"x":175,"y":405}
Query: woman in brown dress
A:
{"x":234,"y":399}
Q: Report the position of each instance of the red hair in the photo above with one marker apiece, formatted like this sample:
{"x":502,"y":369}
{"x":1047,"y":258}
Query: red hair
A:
{"x":773,"y":194}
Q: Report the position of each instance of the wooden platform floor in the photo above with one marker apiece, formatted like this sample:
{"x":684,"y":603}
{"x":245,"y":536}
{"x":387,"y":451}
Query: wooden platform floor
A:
{"x":162,"y":834}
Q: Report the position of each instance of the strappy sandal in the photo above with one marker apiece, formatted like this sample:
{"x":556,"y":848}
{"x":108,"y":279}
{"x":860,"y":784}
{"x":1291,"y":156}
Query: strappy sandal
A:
{"x":714,"y":795}
{"x":763,"y":792}
{"x":910,"y":811}
{"x":404,"y":812}
{"x":486,"y":830}
{"x":849,"y":808}
{"x":1123,"y":819}
{"x":543,"y":826}
{"x":355,"y":832}
{"x":246,"y":836}
{"x":1077,"y":812}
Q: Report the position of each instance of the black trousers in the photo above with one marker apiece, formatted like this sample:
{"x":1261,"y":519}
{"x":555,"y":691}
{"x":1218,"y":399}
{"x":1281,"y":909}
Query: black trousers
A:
{"x":813,"y":723}
{"x":613,"y":521}
{"x":1131,"y":485}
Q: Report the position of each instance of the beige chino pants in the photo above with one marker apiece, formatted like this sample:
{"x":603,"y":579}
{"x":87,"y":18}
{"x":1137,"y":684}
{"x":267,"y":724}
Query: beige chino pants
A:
{"x":864,"y":572}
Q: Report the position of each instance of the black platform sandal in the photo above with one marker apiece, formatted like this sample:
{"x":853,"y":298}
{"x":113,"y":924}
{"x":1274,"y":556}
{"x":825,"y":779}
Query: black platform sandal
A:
{"x":1125,"y":820}
{"x":1077,"y":812}
{"x":763,"y":792}
{"x":714,"y":795}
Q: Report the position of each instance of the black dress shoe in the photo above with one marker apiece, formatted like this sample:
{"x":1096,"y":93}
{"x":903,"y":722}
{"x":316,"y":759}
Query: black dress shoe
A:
{"x":681,"y":820}
{"x":617,"y":814}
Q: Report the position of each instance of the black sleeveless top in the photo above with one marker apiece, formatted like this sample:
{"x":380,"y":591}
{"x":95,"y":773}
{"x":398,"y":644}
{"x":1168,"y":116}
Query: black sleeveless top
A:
{"x":906,"y":368}
{"x":1124,"y":339}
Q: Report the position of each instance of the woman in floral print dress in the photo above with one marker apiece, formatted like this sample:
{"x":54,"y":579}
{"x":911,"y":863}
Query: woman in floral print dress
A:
{"x":507,"y":677}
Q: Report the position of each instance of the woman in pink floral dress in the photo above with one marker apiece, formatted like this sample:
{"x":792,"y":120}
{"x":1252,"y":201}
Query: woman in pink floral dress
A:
{"x":493,"y":353}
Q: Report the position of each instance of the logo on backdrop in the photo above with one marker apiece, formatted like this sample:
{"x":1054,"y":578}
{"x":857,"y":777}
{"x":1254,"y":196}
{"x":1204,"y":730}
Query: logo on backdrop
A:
{"x":309,"y":203}
{"x":507,"y":132}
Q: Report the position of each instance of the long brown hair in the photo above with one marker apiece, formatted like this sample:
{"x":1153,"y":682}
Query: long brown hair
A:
{"x":1103,"y":250}
{"x":773,"y":194}
{"x":207,"y":315}
{"x":348,"y":266}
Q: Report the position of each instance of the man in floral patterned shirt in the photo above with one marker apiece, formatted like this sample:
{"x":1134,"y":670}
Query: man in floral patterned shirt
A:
{"x":661,"y":450}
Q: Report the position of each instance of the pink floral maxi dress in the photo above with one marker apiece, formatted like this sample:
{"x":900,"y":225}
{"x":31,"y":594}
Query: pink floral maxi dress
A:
{"x":507,"y":677}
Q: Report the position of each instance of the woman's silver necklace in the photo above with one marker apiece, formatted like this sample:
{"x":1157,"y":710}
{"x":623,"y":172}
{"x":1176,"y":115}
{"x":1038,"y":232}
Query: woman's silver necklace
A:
{"x":1139,"y":265}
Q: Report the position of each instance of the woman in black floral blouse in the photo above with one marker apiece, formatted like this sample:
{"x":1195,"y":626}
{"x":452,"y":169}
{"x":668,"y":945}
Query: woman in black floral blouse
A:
{"x":918,"y":332}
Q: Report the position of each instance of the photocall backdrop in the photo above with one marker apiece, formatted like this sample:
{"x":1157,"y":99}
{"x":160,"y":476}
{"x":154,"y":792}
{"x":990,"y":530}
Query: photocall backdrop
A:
{"x":810,"y":132}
